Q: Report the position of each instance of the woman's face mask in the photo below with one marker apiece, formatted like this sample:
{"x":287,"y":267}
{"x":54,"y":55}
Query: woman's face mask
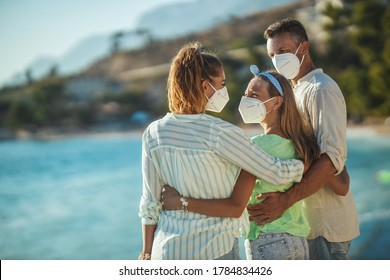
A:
{"x":218,"y":100}
{"x":253,"y":110}
{"x":287,"y":64}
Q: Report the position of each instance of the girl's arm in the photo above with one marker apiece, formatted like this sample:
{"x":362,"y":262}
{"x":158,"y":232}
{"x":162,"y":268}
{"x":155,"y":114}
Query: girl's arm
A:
{"x":224,"y":207}
{"x":340,"y":183}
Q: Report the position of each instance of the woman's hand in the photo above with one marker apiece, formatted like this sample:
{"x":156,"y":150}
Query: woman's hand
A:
{"x":170,"y":198}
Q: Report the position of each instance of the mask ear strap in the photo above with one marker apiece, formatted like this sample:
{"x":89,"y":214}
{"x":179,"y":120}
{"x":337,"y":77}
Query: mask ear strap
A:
{"x":297,"y":48}
{"x":303,"y":57}
{"x":212,"y":86}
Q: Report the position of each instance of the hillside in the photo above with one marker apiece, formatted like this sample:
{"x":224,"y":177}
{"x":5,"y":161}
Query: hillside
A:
{"x":126,"y":89}
{"x":234,"y":34}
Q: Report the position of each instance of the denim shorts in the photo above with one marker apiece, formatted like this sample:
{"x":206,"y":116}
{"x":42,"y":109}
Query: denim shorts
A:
{"x":322,"y":249}
{"x":277,"y":246}
{"x":234,"y":254}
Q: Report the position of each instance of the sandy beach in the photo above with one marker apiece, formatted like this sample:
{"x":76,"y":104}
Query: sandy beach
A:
{"x":352,"y":130}
{"x":57,"y":133}
{"x":370,"y":130}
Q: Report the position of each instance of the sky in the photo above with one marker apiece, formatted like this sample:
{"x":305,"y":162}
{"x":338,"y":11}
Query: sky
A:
{"x":34,"y":28}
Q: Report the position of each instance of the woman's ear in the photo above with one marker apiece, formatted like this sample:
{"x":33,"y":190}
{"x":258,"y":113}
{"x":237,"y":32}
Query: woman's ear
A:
{"x":204,"y":85}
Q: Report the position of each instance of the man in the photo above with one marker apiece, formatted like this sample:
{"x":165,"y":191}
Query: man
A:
{"x":332,"y":218}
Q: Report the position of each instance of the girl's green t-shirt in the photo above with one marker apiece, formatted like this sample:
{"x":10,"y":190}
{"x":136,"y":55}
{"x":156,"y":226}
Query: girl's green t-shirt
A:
{"x":292,"y":220}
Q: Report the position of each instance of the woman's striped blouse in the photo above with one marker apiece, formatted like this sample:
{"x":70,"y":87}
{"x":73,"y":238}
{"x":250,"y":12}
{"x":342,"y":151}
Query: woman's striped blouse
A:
{"x":201,"y":156}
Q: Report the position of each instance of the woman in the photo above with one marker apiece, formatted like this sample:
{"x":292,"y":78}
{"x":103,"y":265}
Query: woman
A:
{"x":193,"y":151}
{"x":268,"y":100}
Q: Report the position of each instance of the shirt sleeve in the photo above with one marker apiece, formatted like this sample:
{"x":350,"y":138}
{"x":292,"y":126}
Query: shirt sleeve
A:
{"x":328,"y":118}
{"x":236,"y":146}
{"x":150,"y":206}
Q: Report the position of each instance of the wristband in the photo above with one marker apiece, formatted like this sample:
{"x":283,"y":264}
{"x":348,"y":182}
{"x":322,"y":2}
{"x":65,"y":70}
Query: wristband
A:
{"x":184,"y":205}
{"x":144,"y":256}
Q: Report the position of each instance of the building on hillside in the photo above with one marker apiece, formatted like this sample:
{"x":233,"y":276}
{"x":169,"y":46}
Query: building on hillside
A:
{"x":83,"y":88}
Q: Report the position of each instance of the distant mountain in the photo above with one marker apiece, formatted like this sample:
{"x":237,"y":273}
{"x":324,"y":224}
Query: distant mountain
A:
{"x":84,"y":53}
{"x":166,"y":21}
{"x":38,"y":68}
{"x":194,"y":16}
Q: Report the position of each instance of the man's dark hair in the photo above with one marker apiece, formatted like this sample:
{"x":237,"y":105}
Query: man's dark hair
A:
{"x":287,"y":25}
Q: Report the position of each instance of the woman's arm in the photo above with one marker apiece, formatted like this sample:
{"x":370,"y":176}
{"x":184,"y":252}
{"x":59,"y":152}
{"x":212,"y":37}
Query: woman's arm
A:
{"x":147,"y":237}
{"x":224,"y":207}
{"x":340,"y":183}
{"x":235,"y":146}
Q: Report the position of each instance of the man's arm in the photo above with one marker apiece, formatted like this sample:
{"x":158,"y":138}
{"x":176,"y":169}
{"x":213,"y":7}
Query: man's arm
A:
{"x":339,"y":183}
{"x":274,"y":204}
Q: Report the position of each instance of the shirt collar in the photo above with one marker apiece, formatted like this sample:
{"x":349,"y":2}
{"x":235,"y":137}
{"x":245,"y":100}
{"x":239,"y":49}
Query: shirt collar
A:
{"x":308,"y":76}
{"x":187,"y":117}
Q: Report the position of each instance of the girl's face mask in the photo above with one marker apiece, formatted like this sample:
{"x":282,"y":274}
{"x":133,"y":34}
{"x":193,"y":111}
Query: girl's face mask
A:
{"x":253,"y":110}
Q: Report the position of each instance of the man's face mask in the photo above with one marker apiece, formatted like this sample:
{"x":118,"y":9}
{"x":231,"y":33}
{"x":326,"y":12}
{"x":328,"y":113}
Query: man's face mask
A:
{"x":287,"y":64}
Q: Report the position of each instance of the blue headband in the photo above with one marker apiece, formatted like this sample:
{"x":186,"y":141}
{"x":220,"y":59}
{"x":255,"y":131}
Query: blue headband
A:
{"x":255,"y":71}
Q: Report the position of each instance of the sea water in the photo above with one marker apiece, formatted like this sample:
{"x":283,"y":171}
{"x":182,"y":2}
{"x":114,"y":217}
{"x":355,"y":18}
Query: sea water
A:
{"x":77,"y":198}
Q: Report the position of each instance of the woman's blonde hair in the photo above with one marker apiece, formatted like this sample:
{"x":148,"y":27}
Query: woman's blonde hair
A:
{"x":190,"y":67}
{"x":292,"y":123}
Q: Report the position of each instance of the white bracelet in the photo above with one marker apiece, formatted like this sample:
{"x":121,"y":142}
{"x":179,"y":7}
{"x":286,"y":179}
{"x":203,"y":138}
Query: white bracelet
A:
{"x":184,"y":205}
{"x":144,"y":256}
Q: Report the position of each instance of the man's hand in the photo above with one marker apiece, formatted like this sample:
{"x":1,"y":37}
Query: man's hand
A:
{"x":272,"y":207}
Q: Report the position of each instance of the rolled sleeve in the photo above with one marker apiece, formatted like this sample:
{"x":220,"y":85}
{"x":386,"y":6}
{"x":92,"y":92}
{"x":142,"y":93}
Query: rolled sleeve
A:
{"x":328,"y":118}
{"x":150,"y":205}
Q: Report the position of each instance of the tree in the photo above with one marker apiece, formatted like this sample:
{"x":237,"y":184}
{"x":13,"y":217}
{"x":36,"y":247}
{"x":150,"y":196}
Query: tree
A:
{"x":116,"y":41}
{"x":359,"y":54}
{"x":371,"y":19}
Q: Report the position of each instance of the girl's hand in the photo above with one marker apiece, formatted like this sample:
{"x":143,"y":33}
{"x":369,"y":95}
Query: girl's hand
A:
{"x":170,"y":198}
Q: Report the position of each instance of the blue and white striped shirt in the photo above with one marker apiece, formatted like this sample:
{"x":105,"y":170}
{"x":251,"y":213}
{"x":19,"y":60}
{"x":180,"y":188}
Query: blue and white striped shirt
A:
{"x":201,"y":156}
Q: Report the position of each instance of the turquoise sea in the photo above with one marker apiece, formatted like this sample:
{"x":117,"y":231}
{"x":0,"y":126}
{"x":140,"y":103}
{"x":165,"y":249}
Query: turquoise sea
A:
{"x":77,"y":198}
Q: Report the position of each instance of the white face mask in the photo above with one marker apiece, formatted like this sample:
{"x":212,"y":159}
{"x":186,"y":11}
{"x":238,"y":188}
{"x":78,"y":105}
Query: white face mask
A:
{"x":218,"y":100}
{"x":287,"y":64}
{"x":252,"y":110}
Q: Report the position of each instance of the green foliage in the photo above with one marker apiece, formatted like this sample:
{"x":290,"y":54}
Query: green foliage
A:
{"x":359,"y":54}
{"x":47,"y":100}
{"x":236,"y":86}
{"x":20,"y":114}
{"x":353,"y":81}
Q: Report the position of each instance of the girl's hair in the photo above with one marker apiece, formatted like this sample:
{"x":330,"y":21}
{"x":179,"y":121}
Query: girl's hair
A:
{"x":190,"y":67}
{"x":291,"y":121}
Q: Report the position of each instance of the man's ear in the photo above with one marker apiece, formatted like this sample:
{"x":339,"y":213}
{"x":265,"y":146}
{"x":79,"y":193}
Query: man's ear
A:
{"x":305,"y":47}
